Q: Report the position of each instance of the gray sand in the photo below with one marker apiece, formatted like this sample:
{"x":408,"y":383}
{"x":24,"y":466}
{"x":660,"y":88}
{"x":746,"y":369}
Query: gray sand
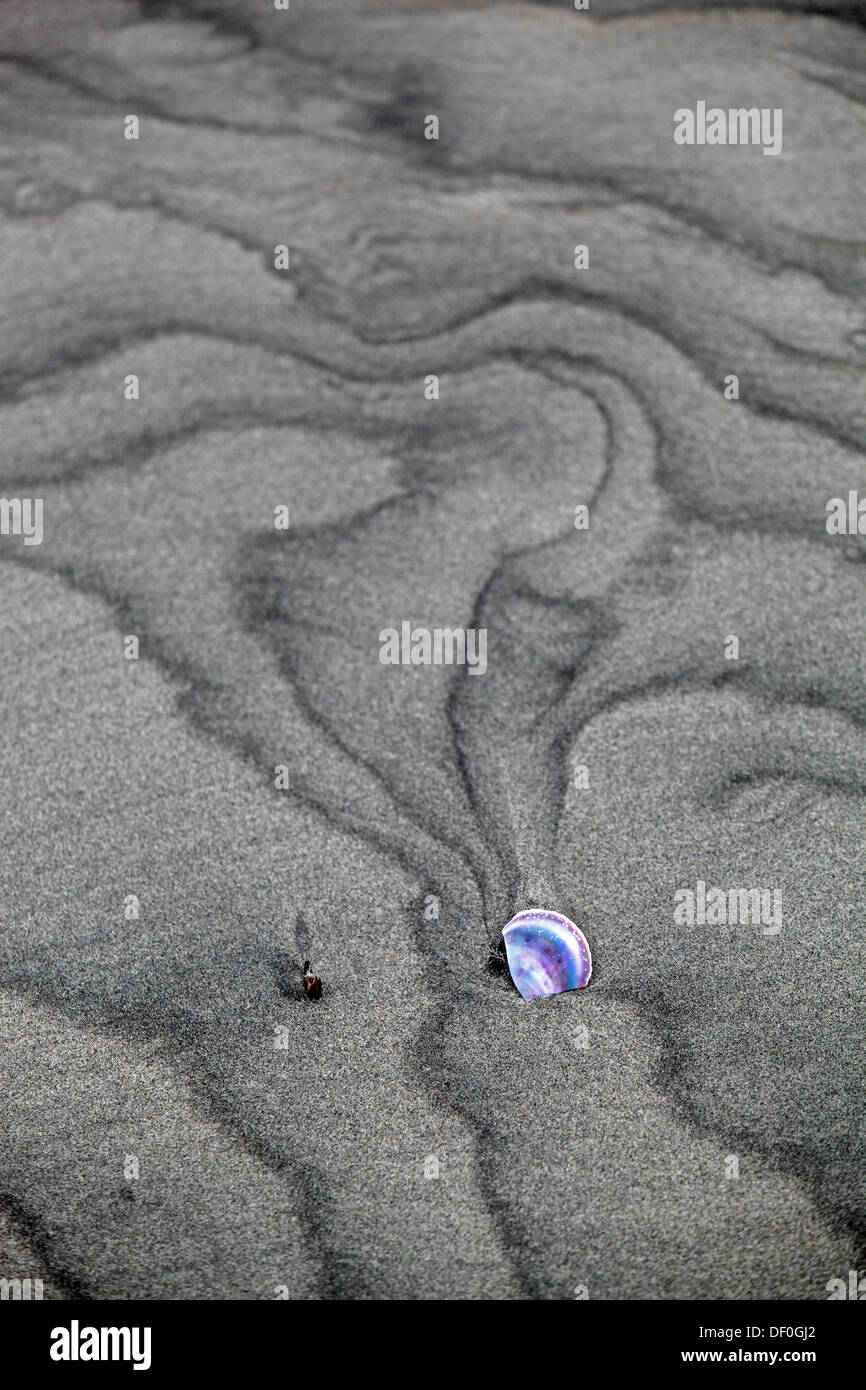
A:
{"x":585,"y":1142}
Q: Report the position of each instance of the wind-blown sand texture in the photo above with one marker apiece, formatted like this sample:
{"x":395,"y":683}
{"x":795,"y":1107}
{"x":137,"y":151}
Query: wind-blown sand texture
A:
{"x":582,"y":1141}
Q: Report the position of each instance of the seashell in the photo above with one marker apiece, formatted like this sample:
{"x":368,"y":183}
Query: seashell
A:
{"x":547,"y":953}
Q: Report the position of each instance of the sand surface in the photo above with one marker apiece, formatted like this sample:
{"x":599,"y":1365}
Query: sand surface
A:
{"x":585,"y":1143}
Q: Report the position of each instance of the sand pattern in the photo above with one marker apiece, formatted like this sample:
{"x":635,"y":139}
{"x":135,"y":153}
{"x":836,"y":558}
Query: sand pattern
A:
{"x":420,"y":1131}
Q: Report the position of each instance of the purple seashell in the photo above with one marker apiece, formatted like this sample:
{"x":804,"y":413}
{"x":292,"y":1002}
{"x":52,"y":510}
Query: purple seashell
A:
{"x":547,"y":953}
